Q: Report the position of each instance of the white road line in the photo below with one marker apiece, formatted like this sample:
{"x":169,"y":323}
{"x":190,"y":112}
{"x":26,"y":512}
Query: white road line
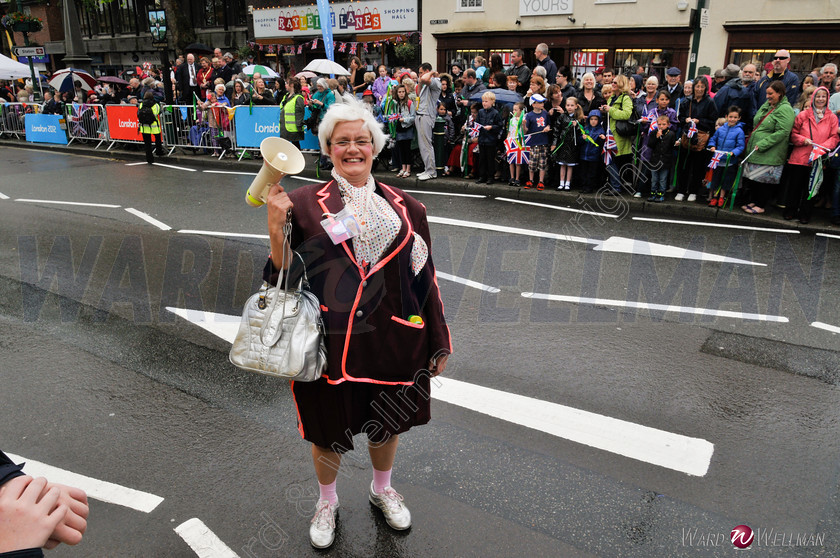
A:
{"x":135,"y":164}
{"x":174,"y":167}
{"x":445,"y":194}
{"x":468,"y":282}
{"x":512,"y":230}
{"x":217,"y":233}
{"x":148,"y":218}
{"x":3,"y":196}
{"x":203,"y":541}
{"x":687,"y":455}
{"x":100,"y":490}
{"x":664,"y":307}
{"x":719,"y":225}
{"x":70,"y":203}
{"x":827,"y":327}
{"x":558,"y":208}
{"x":231,"y":172}
{"x":691,"y":456}
{"x":828,"y":235}
{"x":623,"y":245}
{"x":307,"y":179}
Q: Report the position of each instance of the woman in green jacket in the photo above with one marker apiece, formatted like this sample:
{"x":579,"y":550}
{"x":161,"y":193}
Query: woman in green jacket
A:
{"x":770,"y":138}
{"x":149,"y":130}
{"x":619,"y":107}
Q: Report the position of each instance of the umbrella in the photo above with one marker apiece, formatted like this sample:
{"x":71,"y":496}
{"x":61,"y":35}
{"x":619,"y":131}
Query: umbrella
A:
{"x":112,"y":79}
{"x":198,"y":48}
{"x":324,"y":66}
{"x":504,"y":96}
{"x":264,"y":71}
{"x":63,"y":80}
{"x":307,"y":75}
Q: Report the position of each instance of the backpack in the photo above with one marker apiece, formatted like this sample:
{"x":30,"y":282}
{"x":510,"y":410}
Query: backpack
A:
{"x":146,"y":116}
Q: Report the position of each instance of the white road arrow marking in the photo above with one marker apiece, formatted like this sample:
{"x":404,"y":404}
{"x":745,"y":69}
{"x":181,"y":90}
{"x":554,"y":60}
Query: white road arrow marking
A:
{"x":97,"y":489}
{"x":632,"y":246}
{"x":203,"y":541}
{"x":691,"y":456}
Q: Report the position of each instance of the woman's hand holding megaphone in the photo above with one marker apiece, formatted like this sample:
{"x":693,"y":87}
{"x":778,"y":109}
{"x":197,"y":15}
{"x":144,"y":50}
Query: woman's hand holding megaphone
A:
{"x":279,"y":208}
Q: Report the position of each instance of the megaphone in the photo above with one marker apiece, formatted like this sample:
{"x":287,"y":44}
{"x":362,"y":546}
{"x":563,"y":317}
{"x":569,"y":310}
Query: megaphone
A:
{"x":280,"y":157}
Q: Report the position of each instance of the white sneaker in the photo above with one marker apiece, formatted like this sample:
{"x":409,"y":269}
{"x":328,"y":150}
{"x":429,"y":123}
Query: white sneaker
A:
{"x":566,"y":187}
{"x":426,"y":176}
{"x":679,"y":197}
{"x":396,"y":514}
{"x":322,"y":528}
{"x":692,"y":197}
{"x":637,"y":195}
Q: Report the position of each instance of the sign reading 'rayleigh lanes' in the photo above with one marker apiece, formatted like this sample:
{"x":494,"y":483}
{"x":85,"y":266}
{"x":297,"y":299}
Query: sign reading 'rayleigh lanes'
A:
{"x":379,"y":16}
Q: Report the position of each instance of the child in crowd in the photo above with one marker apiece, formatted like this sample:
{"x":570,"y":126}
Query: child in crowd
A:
{"x":565,"y":143}
{"x":512,"y":83}
{"x":731,"y":139}
{"x":463,"y":154}
{"x":591,"y":163}
{"x":369,"y":101}
{"x":443,"y":133}
{"x":405,"y":130}
{"x":515,"y":132}
{"x":536,"y":125}
{"x":661,"y":145}
{"x":491,"y":123}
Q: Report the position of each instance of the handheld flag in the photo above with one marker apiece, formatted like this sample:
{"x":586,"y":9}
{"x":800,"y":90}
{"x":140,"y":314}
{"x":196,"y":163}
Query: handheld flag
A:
{"x":692,"y":130}
{"x":475,"y":129}
{"x":610,"y":147}
{"x":516,"y":152}
{"x":717,"y":159}
{"x":817,"y":152}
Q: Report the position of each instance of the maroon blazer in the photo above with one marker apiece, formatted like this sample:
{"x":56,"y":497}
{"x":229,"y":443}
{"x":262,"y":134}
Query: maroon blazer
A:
{"x":366,"y":309}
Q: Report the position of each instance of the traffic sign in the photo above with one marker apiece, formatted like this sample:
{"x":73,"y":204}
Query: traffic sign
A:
{"x":30,"y":51}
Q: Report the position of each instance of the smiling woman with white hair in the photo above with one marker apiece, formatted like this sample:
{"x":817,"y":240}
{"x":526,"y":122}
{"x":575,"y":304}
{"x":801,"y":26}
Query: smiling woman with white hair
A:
{"x":385,"y":331}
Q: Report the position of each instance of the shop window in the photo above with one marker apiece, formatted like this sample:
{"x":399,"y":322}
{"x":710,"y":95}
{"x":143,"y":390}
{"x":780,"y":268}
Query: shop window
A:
{"x":588,"y":60}
{"x":653,"y":61}
{"x":465,"y":57}
{"x":469,"y":5}
{"x":801,"y":61}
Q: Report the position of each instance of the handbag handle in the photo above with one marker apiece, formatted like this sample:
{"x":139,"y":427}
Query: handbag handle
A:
{"x":303,"y":283}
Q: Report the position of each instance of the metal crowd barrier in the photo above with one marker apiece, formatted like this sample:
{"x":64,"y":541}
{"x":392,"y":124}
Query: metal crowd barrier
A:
{"x":12,"y":117}
{"x":195,"y":129}
{"x":87,"y":123}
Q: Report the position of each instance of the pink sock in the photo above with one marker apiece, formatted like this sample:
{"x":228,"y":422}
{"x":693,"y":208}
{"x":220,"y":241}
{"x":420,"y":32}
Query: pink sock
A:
{"x":328,"y":492}
{"x":381,"y":479}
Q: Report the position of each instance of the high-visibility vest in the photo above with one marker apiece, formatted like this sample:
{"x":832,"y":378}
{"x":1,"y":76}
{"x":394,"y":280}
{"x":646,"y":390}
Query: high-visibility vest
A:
{"x":289,"y":114}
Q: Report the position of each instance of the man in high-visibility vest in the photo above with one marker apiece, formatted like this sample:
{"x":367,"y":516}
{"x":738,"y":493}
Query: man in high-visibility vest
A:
{"x":291,"y":116}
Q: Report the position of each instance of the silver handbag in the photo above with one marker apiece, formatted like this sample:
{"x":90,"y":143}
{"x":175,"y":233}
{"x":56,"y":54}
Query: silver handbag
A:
{"x":289,"y":343}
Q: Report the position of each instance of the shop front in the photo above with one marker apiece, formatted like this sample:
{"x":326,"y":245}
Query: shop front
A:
{"x":623,"y":50}
{"x":811,"y":46}
{"x":369,"y":30}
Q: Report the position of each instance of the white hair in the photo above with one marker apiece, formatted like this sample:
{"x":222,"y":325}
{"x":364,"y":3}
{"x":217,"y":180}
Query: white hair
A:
{"x":587,"y":75}
{"x":540,"y":71}
{"x":323,"y":83}
{"x":220,"y":86}
{"x":829,"y":65}
{"x":654,"y":79}
{"x":350,"y":111}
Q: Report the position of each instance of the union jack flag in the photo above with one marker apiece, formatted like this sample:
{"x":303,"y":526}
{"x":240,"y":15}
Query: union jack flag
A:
{"x":475,"y":129}
{"x":717,"y":159}
{"x":300,"y":49}
{"x":393,"y":117}
{"x":353,"y":48}
{"x":692,"y":130}
{"x":516,"y":152}
{"x":343,"y":47}
{"x":817,"y":152}
{"x":610,"y":147}
{"x":314,"y":44}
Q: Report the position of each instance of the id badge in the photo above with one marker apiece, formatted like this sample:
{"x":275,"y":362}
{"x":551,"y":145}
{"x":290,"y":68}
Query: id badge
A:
{"x":343,"y":226}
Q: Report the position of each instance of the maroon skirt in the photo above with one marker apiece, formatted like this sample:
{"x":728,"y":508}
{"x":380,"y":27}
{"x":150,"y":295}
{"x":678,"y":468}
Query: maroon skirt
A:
{"x":330,"y":415}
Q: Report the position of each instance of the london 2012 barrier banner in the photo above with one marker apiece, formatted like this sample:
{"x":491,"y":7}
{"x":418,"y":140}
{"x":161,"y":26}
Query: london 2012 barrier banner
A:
{"x":45,"y":128}
{"x":254,"y":124}
{"x":122,"y":123}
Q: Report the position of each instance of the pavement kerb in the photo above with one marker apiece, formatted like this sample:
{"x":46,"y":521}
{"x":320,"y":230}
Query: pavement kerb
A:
{"x":592,"y":202}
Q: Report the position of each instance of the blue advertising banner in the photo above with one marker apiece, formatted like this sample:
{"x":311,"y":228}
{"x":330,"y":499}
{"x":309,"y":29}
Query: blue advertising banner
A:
{"x":254,"y":124}
{"x":44,"y":128}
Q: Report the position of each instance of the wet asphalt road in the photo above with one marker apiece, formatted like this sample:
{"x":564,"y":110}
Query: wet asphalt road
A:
{"x":98,"y":378}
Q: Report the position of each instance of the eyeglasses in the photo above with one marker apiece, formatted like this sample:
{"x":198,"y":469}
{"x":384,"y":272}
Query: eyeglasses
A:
{"x":361,"y":143}
{"x":781,"y":58}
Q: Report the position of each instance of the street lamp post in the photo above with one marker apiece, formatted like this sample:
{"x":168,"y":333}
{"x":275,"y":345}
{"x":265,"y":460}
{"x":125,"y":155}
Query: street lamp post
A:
{"x":157,"y":27}
{"x":31,"y":65}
